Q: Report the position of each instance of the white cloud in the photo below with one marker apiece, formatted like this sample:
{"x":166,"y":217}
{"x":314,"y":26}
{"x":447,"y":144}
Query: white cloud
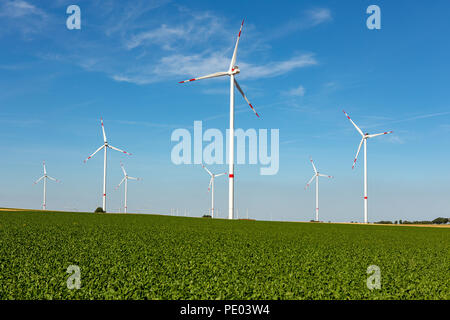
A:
{"x":195,"y":28}
{"x":308,"y":19}
{"x":18,"y":8}
{"x":277,"y":68}
{"x":186,"y":66}
{"x":298,"y":92}
{"x":22,"y":18}
{"x":318,"y":16}
{"x":140,"y":49}
{"x":163,"y":35}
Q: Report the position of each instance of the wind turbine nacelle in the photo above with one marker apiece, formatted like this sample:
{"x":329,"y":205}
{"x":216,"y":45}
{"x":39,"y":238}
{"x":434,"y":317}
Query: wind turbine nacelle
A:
{"x":235,"y":70}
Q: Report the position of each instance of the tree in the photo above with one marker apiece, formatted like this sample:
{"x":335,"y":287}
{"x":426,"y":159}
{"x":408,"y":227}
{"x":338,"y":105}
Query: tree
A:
{"x":99,"y":210}
{"x":440,"y":220}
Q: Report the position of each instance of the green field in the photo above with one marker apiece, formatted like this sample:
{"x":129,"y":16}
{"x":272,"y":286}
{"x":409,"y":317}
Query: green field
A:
{"x":162,"y":257}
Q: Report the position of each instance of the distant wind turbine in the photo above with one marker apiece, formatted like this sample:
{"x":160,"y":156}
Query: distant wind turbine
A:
{"x":105,"y":146}
{"x":211,"y":187}
{"x":125,"y":178}
{"x":316,"y":176}
{"x":364,"y":140}
{"x":45,"y":177}
{"x":232,"y":71}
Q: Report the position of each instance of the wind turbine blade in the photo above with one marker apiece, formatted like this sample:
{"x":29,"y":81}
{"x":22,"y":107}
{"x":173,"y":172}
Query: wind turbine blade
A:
{"x":357,"y":153}
{"x":101,"y":147}
{"x":309,"y":182}
{"x":207,"y":170}
{"x":212,"y":75}
{"x":314,"y":167}
{"x":117,"y":149}
{"x":123,"y":169}
{"x":45,"y":170}
{"x":242,"y":92}
{"x":133,"y":178}
{"x":233,"y":59}
{"x":103,"y":130}
{"x":354,"y":124}
{"x":39,"y":179}
{"x":210,"y":182}
{"x":51,"y":178}
{"x":220,"y":174}
{"x":325,"y":175}
{"x":378,"y":134}
{"x":120,"y":182}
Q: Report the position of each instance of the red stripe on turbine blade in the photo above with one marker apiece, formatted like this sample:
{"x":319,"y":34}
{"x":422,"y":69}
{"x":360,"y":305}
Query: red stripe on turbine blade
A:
{"x":365,"y":198}
{"x":231,"y":175}
{"x":191,"y":79}
{"x":104,"y":194}
{"x":239,"y":34}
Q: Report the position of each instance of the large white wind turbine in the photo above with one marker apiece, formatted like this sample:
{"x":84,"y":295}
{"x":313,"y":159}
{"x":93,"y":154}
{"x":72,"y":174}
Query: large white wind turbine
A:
{"x":211,"y":187}
{"x":232,"y":71}
{"x":364,"y":140}
{"x":105,"y":146}
{"x":125,"y":178}
{"x":45,"y":177}
{"x":316,"y":175}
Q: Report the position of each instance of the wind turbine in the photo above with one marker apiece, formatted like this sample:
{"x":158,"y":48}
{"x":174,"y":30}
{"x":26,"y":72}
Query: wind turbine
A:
{"x":364,"y":140}
{"x":233,"y":69}
{"x":211,"y":187}
{"x":125,"y":178}
{"x":316,"y":176}
{"x":105,"y":146}
{"x":45,"y":177}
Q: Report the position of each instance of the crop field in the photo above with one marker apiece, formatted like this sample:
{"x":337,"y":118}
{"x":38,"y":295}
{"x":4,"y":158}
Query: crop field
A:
{"x":163,"y":257}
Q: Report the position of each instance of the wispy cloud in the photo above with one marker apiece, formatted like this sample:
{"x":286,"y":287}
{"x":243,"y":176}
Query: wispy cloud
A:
{"x":196,"y":28}
{"x":392,"y":138}
{"x":22,"y":18}
{"x":308,"y":19}
{"x":417,"y":117}
{"x":317,"y":16}
{"x":423,"y":116}
{"x":183,"y":66}
{"x":19,"y":8}
{"x":296,"y":92}
{"x":188,"y":43}
{"x":276,"y":68}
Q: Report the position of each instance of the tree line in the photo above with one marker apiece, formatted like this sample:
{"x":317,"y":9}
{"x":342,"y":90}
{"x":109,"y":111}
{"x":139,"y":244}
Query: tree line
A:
{"x":439,"y":220}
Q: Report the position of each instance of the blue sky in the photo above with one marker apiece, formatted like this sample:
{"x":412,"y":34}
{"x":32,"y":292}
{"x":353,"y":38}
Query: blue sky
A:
{"x":301,"y":63}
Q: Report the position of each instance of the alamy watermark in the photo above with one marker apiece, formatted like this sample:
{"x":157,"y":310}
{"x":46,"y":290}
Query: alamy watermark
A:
{"x":74,"y":280}
{"x":374,"y":280}
{"x":190,"y":149}
{"x":74,"y":20}
{"x":373,"y":22}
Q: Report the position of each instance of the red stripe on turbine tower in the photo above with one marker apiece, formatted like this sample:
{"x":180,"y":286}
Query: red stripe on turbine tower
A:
{"x":231,"y":175}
